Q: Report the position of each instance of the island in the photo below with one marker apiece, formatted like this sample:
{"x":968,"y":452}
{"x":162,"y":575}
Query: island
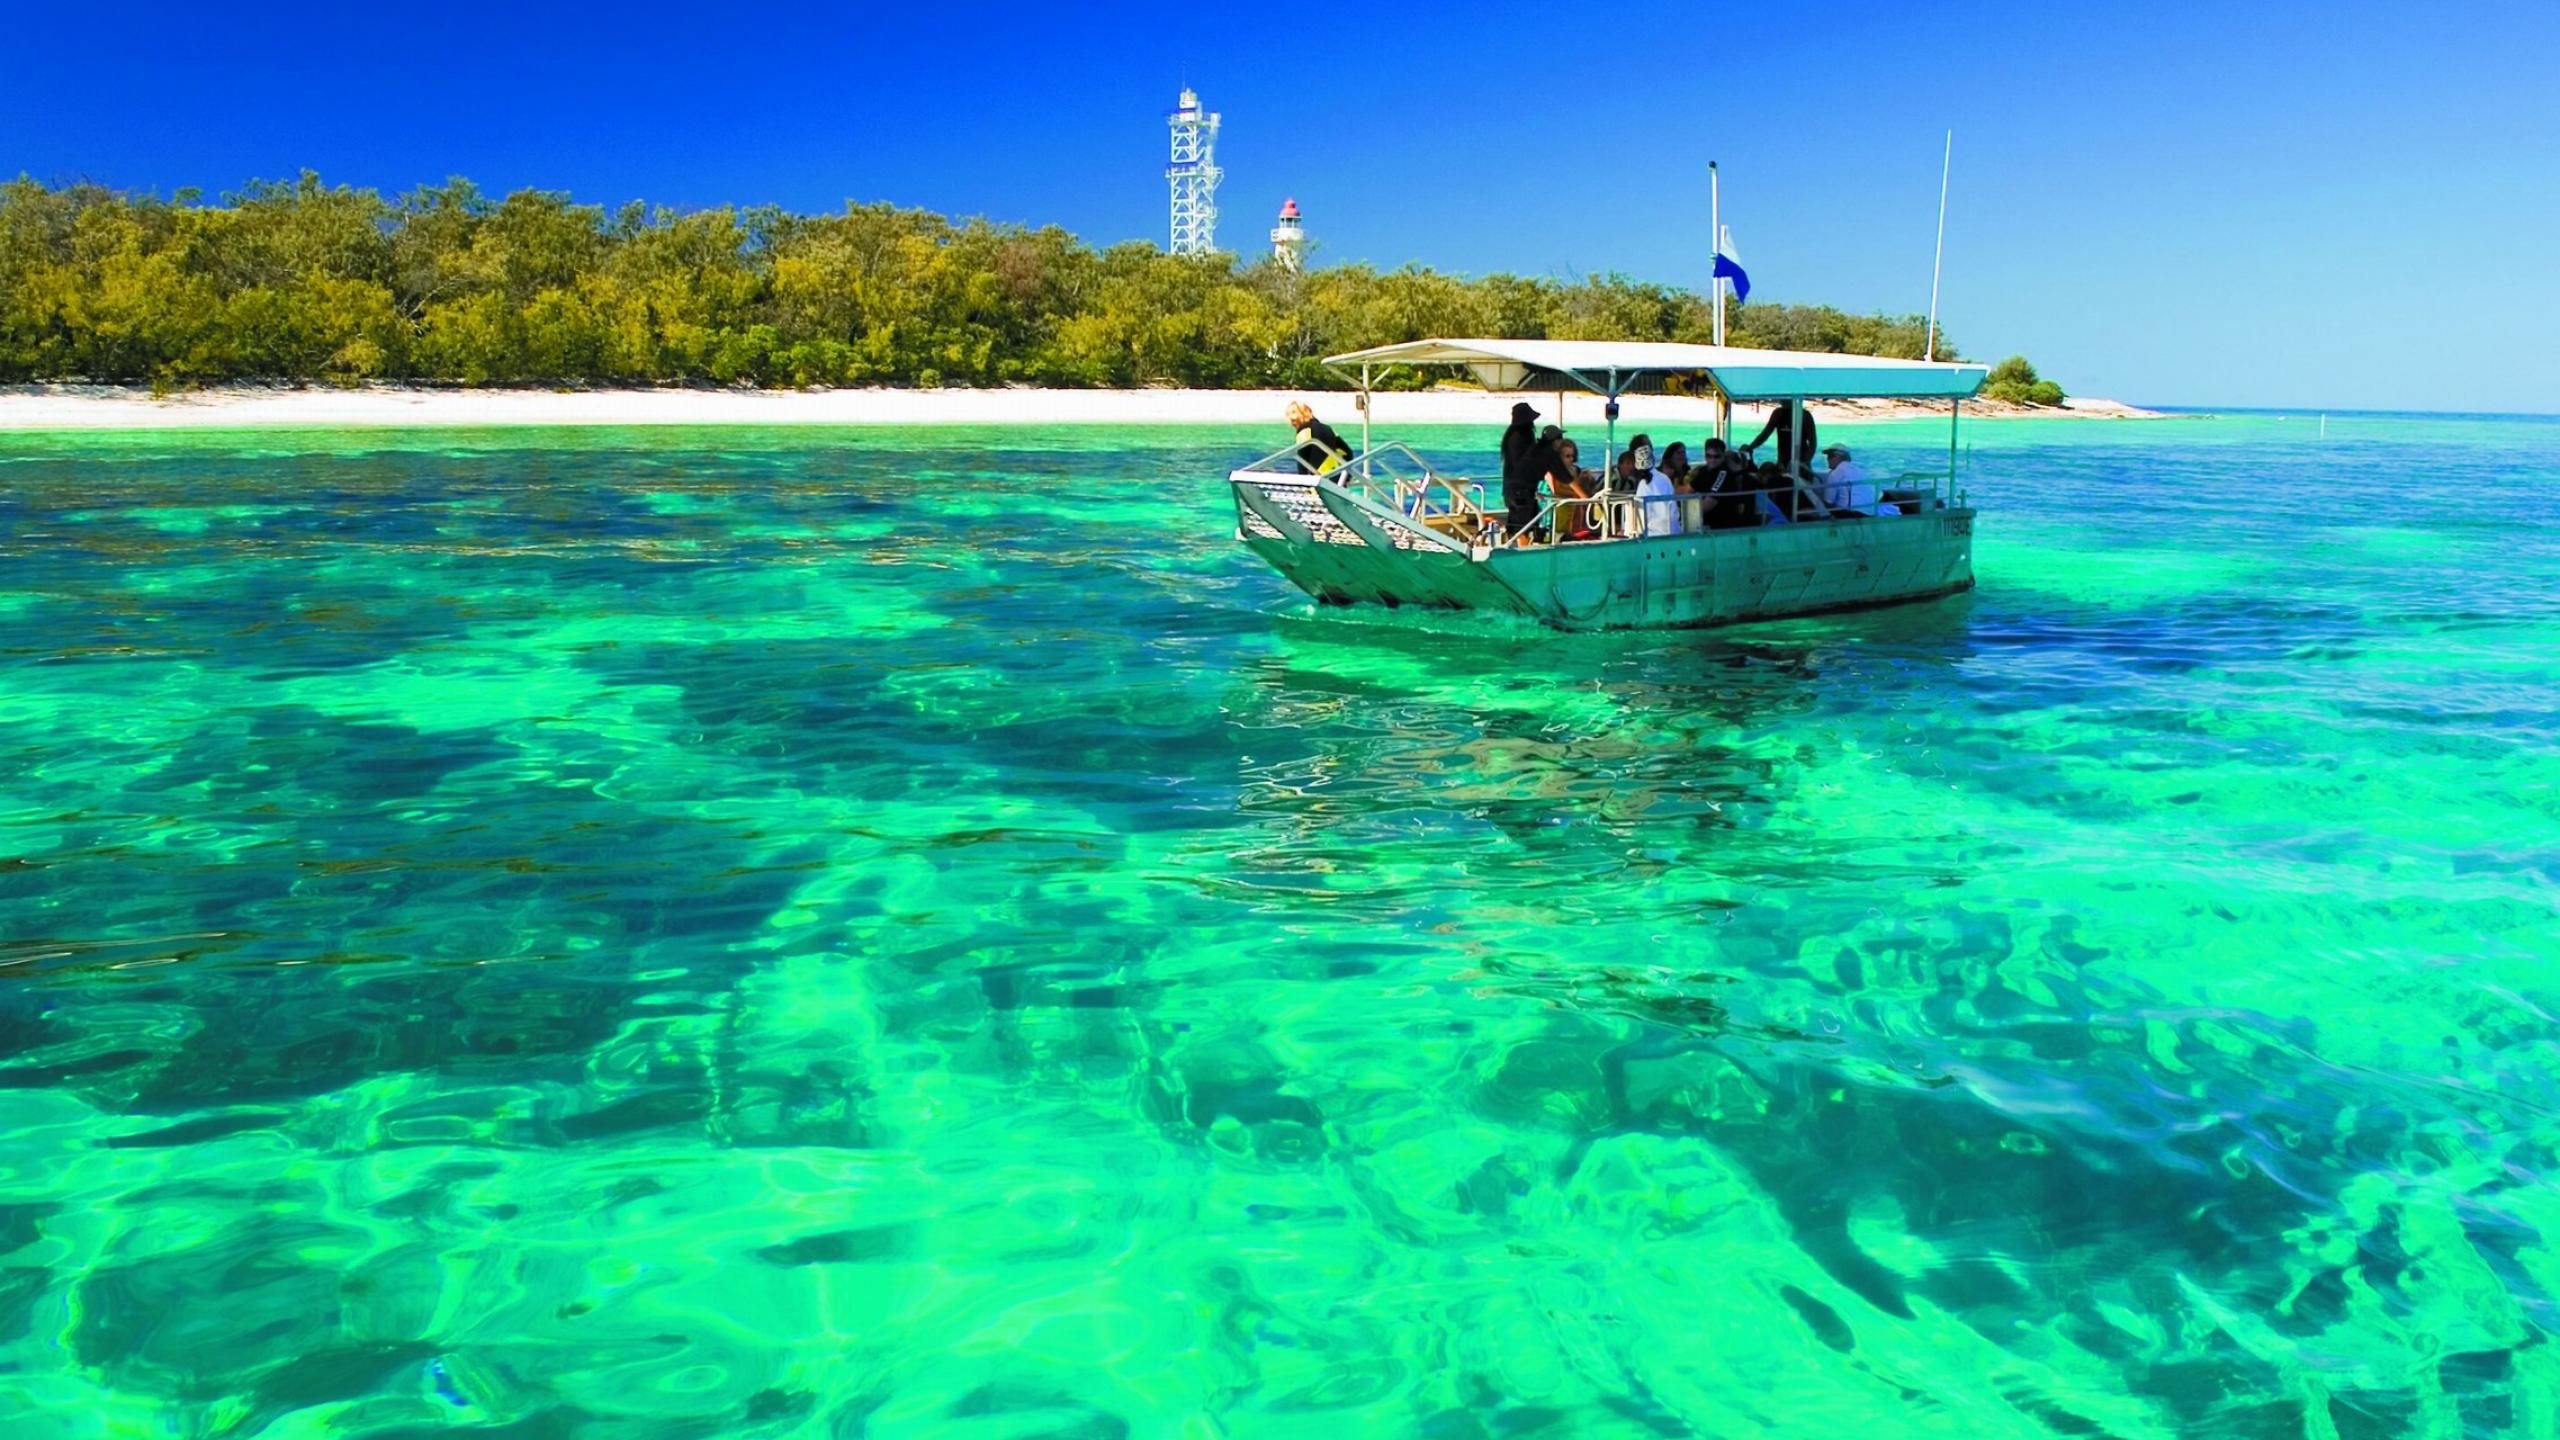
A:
{"x":302,"y":302}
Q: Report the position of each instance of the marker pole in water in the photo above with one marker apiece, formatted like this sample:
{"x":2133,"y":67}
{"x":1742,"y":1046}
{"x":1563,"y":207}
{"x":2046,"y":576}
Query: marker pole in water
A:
{"x":1930,"y":350}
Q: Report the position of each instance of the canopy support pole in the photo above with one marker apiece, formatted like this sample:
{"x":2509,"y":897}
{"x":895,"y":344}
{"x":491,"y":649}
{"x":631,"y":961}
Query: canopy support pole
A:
{"x":1955,"y":412}
{"x":1799,"y":464}
{"x":1612,"y":413}
{"x":1364,"y":420}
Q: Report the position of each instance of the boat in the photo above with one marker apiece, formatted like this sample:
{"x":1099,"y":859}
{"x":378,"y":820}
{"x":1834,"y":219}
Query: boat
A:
{"x":1389,"y":528}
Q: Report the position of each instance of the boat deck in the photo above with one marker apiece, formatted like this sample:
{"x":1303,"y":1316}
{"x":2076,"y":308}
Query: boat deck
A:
{"x":1390,"y":530}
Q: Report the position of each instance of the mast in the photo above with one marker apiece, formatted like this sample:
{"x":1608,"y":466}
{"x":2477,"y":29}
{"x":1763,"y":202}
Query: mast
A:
{"x":1715,"y":247}
{"x":1929,"y":351}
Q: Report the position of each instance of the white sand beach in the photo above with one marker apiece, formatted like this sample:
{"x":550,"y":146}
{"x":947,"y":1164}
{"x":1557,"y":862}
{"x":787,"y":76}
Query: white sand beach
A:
{"x":108,"y":407}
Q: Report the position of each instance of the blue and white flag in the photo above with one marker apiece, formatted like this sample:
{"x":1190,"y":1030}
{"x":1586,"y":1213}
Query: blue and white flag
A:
{"x":1729,"y":268}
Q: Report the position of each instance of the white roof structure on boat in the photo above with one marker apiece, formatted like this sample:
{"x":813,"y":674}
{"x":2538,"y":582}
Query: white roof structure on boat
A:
{"x":1616,"y":366}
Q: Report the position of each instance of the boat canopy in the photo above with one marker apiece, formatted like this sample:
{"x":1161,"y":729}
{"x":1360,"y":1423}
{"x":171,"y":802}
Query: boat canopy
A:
{"x":1617,"y":367}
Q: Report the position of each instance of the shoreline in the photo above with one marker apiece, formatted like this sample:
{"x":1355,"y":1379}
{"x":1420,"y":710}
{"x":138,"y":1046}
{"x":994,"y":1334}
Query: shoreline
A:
{"x":28,"y":408}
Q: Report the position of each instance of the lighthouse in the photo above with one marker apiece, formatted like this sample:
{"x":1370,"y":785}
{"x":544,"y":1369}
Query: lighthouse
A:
{"x":1289,"y":238}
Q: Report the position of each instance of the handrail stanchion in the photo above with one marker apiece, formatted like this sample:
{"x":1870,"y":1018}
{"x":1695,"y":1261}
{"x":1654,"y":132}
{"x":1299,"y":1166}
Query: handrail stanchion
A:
{"x":1955,"y":415}
{"x":1364,"y":407}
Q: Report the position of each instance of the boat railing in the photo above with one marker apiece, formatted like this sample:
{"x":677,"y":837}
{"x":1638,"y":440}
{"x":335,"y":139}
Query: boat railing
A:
{"x":1283,"y":461}
{"x":1573,"y":520}
{"x":1937,"y":487}
{"x":1568,"y":520}
{"x":1413,"y":487}
{"x":1397,"y":476}
{"x":1394,"y":475}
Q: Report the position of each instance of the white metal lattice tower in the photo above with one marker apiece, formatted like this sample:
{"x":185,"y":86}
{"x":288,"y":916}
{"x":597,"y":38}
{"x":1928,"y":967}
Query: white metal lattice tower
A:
{"x":1289,"y":237}
{"x":1194,"y":175}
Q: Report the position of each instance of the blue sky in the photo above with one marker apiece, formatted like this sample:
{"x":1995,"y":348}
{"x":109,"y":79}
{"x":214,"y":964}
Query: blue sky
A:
{"x":2303,"y":206}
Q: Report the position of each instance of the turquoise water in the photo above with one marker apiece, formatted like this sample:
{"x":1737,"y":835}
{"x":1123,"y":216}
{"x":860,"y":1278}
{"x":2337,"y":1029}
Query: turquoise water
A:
{"x":835,"y":933}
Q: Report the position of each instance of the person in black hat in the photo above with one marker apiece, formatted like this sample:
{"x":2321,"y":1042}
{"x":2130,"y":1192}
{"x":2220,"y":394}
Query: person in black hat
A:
{"x":1524,"y":464}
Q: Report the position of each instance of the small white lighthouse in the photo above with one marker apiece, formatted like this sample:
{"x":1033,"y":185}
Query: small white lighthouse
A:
{"x":1289,"y":238}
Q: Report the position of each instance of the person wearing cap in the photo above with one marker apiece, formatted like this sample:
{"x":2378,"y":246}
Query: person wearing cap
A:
{"x":1635,"y":466}
{"x":1635,"y":478}
{"x":1661,"y":501}
{"x":1320,"y":450}
{"x":1524,"y":464}
{"x":1844,"y":485}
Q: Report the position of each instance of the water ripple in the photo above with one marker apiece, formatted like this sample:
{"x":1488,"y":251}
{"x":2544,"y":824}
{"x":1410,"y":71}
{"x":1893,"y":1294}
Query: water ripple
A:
{"x":781,"y":933}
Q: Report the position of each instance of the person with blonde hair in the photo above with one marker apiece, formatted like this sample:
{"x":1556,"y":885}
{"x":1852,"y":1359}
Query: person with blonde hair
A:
{"x":1320,"y":450}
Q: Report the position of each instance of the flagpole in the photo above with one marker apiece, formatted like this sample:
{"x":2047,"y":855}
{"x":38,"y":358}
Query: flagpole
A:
{"x":1715,"y":246}
{"x":1715,"y":250}
{"x":1929,"y":351}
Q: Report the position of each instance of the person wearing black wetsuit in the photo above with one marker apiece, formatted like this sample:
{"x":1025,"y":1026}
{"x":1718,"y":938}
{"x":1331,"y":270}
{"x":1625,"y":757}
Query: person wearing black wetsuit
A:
{"x":1524,"y":464}
{"x":1320,"y":450}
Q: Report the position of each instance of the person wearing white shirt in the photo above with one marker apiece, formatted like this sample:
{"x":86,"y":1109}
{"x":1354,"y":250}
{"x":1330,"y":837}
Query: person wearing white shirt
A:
{"x":1652,"y":488}
{"x":1845,"y":485}
{"x":1661,"y":504}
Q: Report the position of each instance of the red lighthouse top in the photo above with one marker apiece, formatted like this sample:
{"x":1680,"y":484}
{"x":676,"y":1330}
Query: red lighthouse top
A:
{"x":1289,"y":211}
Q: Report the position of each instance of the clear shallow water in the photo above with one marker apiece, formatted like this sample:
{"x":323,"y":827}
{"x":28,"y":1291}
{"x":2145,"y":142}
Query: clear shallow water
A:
{"x":831,"y":934}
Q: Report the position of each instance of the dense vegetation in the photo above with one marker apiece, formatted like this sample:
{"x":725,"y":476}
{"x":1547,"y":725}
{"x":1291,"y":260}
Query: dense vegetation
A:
{"x":2016,"y":381}
{"x":306,"y":281}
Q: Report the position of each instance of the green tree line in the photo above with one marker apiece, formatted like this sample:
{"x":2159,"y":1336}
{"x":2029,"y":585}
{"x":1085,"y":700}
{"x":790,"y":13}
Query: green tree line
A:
{"x":305,"y":281}
{"x":2016,"y":381}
